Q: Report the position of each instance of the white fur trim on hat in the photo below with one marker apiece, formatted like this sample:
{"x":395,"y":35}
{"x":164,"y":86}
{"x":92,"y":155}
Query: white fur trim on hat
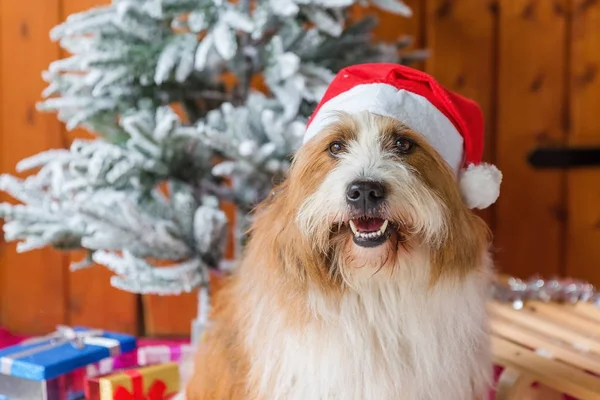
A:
{"x":480,"y":185}
{"x":410,"y":108}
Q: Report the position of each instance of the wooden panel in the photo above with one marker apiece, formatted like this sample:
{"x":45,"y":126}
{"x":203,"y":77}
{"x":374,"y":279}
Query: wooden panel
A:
{"x":461,"y":38}
{"x":2,"y":196}
{"x":530,"y":211}
{"x":169,"y":315}
{"x":173,"y":315}
{"x":583,"y":238}
{"x":98,"y":304}
{"x":392,"y":27}
{"x":33,"y":284}
{"x":95,"y":303}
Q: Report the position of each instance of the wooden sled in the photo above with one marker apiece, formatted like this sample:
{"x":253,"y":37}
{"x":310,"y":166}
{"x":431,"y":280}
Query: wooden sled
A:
{"x":556,"y":346}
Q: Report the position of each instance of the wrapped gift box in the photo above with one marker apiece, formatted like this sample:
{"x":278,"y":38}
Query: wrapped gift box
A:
{"x":52,"y":367}
{"x":157,"y":354}
{"x":155,"y":382}
{"x":109,"y":365}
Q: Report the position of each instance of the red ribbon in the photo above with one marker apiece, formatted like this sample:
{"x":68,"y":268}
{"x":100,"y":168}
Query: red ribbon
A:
{"x":156,"y":392}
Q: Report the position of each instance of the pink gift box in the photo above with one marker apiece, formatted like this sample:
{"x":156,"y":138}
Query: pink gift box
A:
{"x":163,"y":353}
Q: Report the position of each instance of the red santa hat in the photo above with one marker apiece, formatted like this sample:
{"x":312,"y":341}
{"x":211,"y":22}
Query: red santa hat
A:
{"x":452,"y":124}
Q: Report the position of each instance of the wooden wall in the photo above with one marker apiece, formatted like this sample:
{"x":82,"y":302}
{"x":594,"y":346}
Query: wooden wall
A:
{"x":531,"y":64}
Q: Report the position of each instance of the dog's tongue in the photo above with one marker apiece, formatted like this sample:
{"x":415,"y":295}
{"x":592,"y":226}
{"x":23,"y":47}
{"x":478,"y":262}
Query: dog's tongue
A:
{"x":368,"y":224}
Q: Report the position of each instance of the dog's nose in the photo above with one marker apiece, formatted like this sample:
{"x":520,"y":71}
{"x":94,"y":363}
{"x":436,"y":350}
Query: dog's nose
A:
{"x":365,"y":194}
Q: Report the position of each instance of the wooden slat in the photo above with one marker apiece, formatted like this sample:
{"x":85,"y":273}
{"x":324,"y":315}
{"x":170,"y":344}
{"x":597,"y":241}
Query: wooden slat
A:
{"x":541,"y":325}
{"x":529,"y":220}
{"x":461,"y":38}
{"x":556,"y":375}
{"x":583,"y":251}
{"x":33,"y":284}
{"x":98,"y":305}
{"x":540,"y":342}
{"x":561,"y":315}
{"x":587,"y":310}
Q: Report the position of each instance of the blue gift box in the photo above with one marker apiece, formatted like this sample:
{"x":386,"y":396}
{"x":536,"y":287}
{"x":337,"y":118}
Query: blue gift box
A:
{"x":61,"y":352}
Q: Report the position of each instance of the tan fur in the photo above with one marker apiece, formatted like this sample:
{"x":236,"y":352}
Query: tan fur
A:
{"x":468,"y":235}
{"x":283,"y":265}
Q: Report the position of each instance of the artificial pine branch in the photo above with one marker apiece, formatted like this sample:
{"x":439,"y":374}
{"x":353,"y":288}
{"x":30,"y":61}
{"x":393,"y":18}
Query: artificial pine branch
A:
{"x":150,"y":185}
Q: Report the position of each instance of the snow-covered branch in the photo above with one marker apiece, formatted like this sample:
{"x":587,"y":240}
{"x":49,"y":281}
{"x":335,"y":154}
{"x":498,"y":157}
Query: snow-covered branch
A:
{"x":149,"y":187}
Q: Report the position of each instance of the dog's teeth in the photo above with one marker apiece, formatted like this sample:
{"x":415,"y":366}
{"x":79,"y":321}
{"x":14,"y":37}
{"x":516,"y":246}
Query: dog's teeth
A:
{"x":383,"y":227}
{"x":368,"y":235}
{"x":353,"y":227}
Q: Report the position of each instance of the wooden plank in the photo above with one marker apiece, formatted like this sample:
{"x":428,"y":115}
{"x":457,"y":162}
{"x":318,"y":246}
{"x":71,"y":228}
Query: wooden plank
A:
{"x":531,"y":90}
{"x":546,"y":344}
{"x":33,"y":284}
{"x":562,"y":315}
{"x":544,"y":326}
{"x":588,"y":310}
{"x":461,"y":38}
{"x":561,"y":377}
{"x":98,"y":305}
{"x":583,"y":251}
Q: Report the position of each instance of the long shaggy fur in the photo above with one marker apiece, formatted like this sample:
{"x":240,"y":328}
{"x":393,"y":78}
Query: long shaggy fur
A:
{"x":310,"y":315}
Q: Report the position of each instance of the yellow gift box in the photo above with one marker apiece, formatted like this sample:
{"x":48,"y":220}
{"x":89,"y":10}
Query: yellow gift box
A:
{"x":155,"y":382}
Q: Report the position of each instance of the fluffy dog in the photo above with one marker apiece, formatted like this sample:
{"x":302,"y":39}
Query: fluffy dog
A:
{"x":366,"y":274}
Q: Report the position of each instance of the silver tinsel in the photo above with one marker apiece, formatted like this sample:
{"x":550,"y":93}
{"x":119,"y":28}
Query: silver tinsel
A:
{"x":563,"y":290}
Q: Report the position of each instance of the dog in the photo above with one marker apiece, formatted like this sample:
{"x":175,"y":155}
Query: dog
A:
{"x":366,"y":274}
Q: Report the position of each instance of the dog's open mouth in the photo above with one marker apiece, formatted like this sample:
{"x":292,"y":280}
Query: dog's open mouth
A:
{"x":370,"y":232}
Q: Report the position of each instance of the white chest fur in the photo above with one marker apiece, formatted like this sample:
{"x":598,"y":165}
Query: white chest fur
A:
{"x":393,"y":339}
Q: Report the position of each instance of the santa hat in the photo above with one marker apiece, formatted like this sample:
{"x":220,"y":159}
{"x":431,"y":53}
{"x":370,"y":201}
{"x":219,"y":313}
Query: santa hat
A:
{"x":452,"y":124}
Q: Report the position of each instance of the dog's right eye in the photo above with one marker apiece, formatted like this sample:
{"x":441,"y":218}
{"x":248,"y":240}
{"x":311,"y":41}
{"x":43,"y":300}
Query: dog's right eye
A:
{"x":335,"y":148}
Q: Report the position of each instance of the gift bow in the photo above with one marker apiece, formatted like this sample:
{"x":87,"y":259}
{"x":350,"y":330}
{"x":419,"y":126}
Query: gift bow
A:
{"x":156,"y":392}
{"x":66,"y":334}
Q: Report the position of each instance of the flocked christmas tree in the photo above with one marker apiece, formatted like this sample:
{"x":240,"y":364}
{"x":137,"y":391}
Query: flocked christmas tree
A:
{"x":149,"y":186}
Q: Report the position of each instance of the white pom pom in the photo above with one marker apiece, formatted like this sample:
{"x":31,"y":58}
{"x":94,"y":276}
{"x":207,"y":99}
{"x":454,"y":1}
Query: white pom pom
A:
{"x":480,"y":185}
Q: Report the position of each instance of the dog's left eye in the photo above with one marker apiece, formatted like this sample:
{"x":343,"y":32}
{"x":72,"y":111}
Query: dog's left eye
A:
{"x":404,"y":145}
{"x":336,"y":148}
